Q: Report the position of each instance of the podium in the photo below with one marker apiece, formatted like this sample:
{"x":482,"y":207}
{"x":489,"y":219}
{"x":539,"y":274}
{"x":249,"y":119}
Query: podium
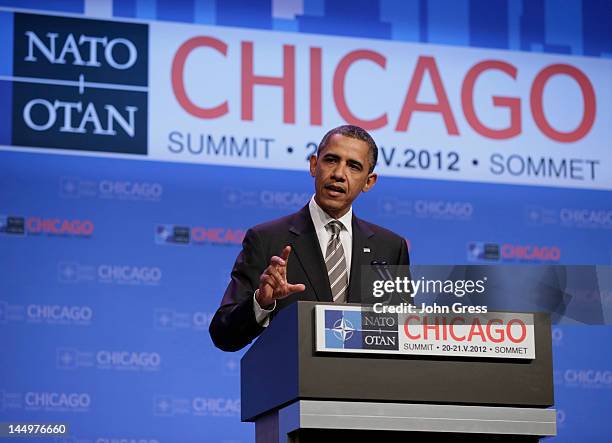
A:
{"x":294,"y":393}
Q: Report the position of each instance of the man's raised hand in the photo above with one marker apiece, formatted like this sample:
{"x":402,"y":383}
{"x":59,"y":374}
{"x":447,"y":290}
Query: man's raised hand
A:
{"x":273,"y":282}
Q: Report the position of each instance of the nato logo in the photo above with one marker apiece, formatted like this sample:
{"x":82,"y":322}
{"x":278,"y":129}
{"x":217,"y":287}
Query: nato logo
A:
{"x":162,"y":405}
{"x":68,"y":272}
{"x":360,"y":330}
{"x":394,"y":206}
{"x":537,"y":215}
{"x":172,"y":234}
{"x":83,"y":84}
{"x":343,"y":329}
{"x":163,"y":319}
{"x":69,"y":187}
{"x":482,"y":251}
{"x":12,"y":225}
{"x":66,"y":358}
{"x":73,"y":187}
{"x":73,"y":272}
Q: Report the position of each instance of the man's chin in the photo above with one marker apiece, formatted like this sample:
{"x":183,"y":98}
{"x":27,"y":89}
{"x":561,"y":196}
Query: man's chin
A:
{"x":334,"y":207}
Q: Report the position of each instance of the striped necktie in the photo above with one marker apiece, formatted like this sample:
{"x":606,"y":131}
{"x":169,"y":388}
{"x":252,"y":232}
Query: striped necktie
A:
{"x":336,"y":263}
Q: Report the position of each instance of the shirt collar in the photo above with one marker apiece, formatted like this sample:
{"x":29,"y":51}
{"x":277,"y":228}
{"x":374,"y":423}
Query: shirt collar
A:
{"x":320,"y":218}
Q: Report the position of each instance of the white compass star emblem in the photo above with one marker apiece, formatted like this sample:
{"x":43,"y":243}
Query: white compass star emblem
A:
{"x":343,"y":329}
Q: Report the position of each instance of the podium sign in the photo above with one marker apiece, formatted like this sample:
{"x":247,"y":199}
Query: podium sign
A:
{"x":356,"y":329}
{"x":343,"y":372}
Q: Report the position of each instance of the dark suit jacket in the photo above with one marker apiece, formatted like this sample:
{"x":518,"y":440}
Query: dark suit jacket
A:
{"x":234,"y":326}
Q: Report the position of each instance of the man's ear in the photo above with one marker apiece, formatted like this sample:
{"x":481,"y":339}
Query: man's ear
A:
{"x":313,"y":164}
{"x":370,"y":182}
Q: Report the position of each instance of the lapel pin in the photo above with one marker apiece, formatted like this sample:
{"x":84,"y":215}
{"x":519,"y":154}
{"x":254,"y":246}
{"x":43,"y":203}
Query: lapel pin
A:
{"x":366,"y":249}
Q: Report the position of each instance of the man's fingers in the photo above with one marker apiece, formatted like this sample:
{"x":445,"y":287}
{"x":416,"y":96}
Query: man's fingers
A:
{"x":267,"y":280}
{"x":275,"y":275}
{"x":277,"y":261}
{"x":278,"y":278}
{"x":277,"y":282}
{"x":296,"y":288}
{"x":286,"y":252}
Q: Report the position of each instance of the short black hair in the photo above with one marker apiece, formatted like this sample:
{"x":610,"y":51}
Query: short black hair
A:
{"x":355,"y":132}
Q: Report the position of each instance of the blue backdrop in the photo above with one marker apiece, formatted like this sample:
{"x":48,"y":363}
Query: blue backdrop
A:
{"x":112,"y":268}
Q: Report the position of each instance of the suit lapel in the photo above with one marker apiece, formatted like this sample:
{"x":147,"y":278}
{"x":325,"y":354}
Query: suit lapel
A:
{"x":308,"y":253}
{"x":361,"y":236}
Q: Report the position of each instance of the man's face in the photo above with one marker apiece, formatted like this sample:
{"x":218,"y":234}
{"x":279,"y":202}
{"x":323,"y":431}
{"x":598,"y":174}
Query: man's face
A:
{"x":341,"y":174}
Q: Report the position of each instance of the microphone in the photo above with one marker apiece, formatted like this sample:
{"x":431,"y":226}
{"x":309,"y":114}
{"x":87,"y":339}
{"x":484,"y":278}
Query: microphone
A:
{"x":381,"y":268}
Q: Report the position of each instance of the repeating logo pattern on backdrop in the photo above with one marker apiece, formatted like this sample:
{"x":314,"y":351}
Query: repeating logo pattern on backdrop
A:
{"x":479,"y":251}
{"x":46,"y":314}
{"x":130,"y":190}
{"x":48,"y":401}
{"x":51,"y":226}
{"x":169,"y":234}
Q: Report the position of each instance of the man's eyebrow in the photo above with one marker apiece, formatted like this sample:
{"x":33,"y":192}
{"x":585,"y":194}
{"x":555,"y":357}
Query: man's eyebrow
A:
{"x":331,"y":155}
{"x":355,"y":162}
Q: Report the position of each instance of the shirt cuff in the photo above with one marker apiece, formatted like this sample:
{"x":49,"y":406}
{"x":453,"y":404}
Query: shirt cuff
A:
{"x":262,"y":316}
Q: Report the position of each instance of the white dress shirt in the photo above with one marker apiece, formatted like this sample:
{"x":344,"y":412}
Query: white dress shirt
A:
{"x":320,"y":219}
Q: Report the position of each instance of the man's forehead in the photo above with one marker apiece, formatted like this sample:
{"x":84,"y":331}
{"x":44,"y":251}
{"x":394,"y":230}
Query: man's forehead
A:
{"x":342,"y":144}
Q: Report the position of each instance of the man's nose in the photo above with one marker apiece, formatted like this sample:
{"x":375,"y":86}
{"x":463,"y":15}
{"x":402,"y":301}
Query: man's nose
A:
{"x":339,"y":172}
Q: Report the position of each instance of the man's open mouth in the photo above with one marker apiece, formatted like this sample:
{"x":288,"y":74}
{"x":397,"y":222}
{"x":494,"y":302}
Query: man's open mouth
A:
{"x":335,"y":188}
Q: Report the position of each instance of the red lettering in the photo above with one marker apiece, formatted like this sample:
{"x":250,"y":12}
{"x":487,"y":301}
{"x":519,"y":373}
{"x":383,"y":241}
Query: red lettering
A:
{"x":59,"y":226}
{"x":435,"y":328}
{"x":588,"y":97}
{"x":552,"y":253}
{"x":452,"y":329}
{"x":339,"y":90}
{"x":51,"y":225}
{"x":87,"y":227}
{"x":178,"y":81}
{"x":407,"y":330}
{"x":33,"y":224}
{"x":316,"y":106}
{"x":214,"y":235}
{"x":68,"y":226}
{"x":217,"y":235}
{"x":198,"y":233}
{"x":555,"y":253}
{"x":523,"y":330}
{"x":286,"y":82}
{"x":444,"y":329}
{"x":426,"y":64}
{"x":234,"y":236}
{"x":512,"y":103}
{"x":498,"y":331}
{"x":476,"y":329}
{"x":507,"y":250}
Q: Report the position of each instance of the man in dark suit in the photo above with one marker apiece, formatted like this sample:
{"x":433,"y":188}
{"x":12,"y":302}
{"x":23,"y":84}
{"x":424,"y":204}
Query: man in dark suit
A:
{"x":315,"y":254}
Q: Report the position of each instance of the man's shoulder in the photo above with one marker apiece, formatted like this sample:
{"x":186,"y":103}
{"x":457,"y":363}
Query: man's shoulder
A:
{"x":377,"y":230}
{"x":302,"y":217}
{"x":282,"y":223}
